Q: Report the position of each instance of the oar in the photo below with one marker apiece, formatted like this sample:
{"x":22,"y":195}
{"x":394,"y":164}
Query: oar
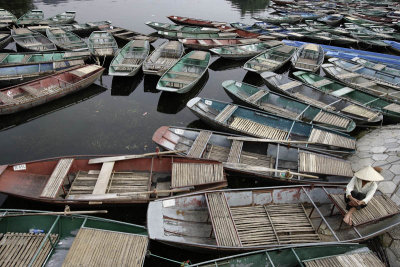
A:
{"x":125,"y":157}
{"x":246,"y":167}
{"x":252,"y":139}
{"x":56,"y":213}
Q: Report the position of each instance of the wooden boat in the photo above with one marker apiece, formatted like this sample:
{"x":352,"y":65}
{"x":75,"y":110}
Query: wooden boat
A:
{"x":186,"y":35}
{"x":195,"y":22}
{"x":31,"y":41}
{"x":109,"y":180}
{"x":39,"y":238}
{"x":182,"y":76}
{"x":312,"y":95}
{"x":5,"y":39}
{"x":274,"y":19}
{"x":259,"y":98}
{"x":329,"y":38}
{"x":240,"y":120}
{"x":129,"y":59}
{"x":102,"y":44}
{"x":164,"y":57}
{"x":66,"y":40}
{"x":255,"y":157}
{"x":66,"y":17}
{"x":355,"y":80}
{"x":33,"y":17}
{"x":241,"y":33}
{"x":308,"y":57}
{"x":26,"y":95}
{"x":6,"y":17}
{"x":10,"y":59}
{"x":84,"y":29}
{"x":270,"y":217}
{"x":315,"y":255}
{"x":359,"y":21}
{"x":206,"y":44}
{"x":18,"y":73}
{"x":389,"y":109}
{"x":124,"y":35}
{"x":377,"y":66}
{"x":161,"y":26}
{"x":332,"y":20}
{"x":239,"y":52}
{"x":270,"y":60}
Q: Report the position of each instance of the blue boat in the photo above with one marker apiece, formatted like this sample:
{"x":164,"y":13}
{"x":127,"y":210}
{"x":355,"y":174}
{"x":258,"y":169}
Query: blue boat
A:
{"x":395,"y":46}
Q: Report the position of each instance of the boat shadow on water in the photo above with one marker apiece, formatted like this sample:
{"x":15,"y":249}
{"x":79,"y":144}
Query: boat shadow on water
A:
{"x":12,"y":120}
{"x":172,"y":103}
{"x":150,"y":84}
{"x":222,"y":64}
{"x":124,"y":86}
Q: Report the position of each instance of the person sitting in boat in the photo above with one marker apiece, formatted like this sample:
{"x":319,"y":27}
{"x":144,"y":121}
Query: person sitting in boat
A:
{"x":361,"y":189}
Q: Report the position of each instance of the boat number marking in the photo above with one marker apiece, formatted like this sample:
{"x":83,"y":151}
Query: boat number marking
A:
{"x":168,"y":203}
{"x":208,"y":102}
{"x":238,"y":84}
{"x":179,"y":131}
{"x":20,"y":167}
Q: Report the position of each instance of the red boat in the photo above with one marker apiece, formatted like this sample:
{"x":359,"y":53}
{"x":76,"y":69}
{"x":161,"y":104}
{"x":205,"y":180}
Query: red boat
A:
{"x":239,"y":32}
{"x":205,"y":44}
{"x":80,"y":181}
{"x":195,"y":22}
{"x":33,"y":93}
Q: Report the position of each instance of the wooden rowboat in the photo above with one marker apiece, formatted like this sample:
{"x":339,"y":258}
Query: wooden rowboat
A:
{"x":66,"y":40}
{"x":182,"y":76}
{"x":239,"y":52}
{"x":7,"y":18}
{"x":66,"y":17}
{"x":163,"y":58}
{"x":308,"y":57}
{"x":32,"y":17}
{"x":102,"y":44}
{"x":240,"y":120}
{"x":161,"y":26}
{"x":84,"y":29}
{"x":5,"y":39}
{"x":271,"y":217}
{"x":10,"y":59}
{"x":332,"y":20}
{"x":195,"y":22}
{"x":40,"y":238}
{"x":206,"y":44}
{"x":270,"y":60}
{"x":312,"y":95}
{"x":274,"y":19}
{"x":26,"y":95}
{"x":124,"y":35}
{"x":127,"y":179}
{"x":266,"y":100}
{"x":187,"y":35}
{"x":255,"y":158}
{"x":31,"y":41}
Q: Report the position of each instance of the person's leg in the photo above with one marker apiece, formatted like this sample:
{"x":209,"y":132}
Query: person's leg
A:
{"x":347,"y":217}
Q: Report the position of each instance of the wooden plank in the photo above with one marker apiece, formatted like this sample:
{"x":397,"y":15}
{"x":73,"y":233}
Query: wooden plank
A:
{"x":104,"y":177}
{"x":57,"y":177}
{"x":125,"y":157}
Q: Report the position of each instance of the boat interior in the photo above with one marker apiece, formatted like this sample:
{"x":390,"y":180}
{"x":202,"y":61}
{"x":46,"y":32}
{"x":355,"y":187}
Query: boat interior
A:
{"x":309,"y":57}
{"x":103,"y":44}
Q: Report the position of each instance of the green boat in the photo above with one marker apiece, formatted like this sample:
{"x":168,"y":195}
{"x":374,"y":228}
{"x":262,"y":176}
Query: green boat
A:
{"x":182,"y":76}
{"x":277,"y":104}
{"x":161,"y":26}
{"x":37,"y":238}
{"x":389,"y":109}
{"x":66,"y":40}
{"x":270,"y":60}
{"x":239,"y":52}
{"x":130,"y":58}
{"x":309,"y":256}
{"x":10,"y":59}
{"x":66,"y":17}
{"x":7,"y":17}
{"x":102,"y":43}
{"x":33,"y":17}
{"x":280,"y":19}
{"x":368,"y":85}
{"x":186,"y":35}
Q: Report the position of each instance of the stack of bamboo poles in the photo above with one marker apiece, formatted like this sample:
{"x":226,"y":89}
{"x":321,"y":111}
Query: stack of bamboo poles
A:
{"x":354,"y":259}
{"x":257,"y":129}
{"x":191,"y":174}
{"x":331,"y":139}
{"x":199,"y":144}
{"x":321,"y":164}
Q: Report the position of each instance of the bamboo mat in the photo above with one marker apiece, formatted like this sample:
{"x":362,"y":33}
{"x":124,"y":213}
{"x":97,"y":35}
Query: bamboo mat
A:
{"x":321,"y":164}
{"x":191,"y":174}
{"x":364,"y":259}
{"x":331,"y":119}
{"x":289,"y":85}
{"x":18,"y":249}
{"x":218,"y":153}
{"x":236,"y":150}
{"x":273,"y":224}
{"x":331,"y":139}
{"x":312,"y":101}
{"x":57,"y":178}
{"x":379,"y":207}
{"x":223,"y":225}
{"x":257,"y":129}
{"x":94,"y":247}
{"x":199,"y":144}
{"x":360,"y":111}
{"x":226,"y":113}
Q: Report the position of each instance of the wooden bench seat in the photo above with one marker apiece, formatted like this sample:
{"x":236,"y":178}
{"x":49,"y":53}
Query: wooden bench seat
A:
{"x":199,"y":144}
{"x":57,"y":177}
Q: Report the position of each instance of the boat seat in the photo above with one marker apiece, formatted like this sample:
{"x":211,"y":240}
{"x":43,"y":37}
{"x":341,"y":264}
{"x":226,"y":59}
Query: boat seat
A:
{"x":256,"y":96}
{"x":173,"y":81}
{"x":321,"y":164}
{"x":331,"y":119}
{"x":342,"y":91}
{"x":199,"y":144}
{"x":366,"y":84}
{"x":343,"y":260}
{"x":348,"y":75}
{"x":235,"y":151}
{"x":4,"y":98}
{"x":217,"y":42}
{"x":189,"y":74}
{"x":360,"y":111}
{"x":379,"y":67}
{"x":331,"y":139}
{"x":103,"y":178}
{"x":379,"y":207}
{"x":192,"y":174}
{"x":282,"y":111}
{"x":31,"y":90}
{"x":257,"y":129}
{"x":393,"y":107}
{"x":226,"y":113}
{"x":202,"y":42}
{"x":56,"y":178}
{"x":290,"y":85}
{"x":322,"y":82}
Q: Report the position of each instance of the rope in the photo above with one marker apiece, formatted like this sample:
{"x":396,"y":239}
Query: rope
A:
{"x":173,"y":261}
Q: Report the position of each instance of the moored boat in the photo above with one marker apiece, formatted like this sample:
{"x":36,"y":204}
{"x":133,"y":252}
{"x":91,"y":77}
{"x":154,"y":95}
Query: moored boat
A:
{"x":66,"y":17}
{"x":161,"y":26}
{"x":206,"y":44}
{"x":130,"y":58}
{"x":66,"y":40}
{"x":274,"y":19}
{"x":311,"y":95}
{"x":10,"y":59}
{"x":164,"y":57}
{"x":239,"y":52}
{"x":102,"y":44}
{"x":7,"y":18}
{"x":124,"y":35}
{"x":308,"y":57}
{"x":270,"y":60}
{"x":240,"y":120}
{"x":182,"y":76}
{"x":266,"y":100}
{"x":31,"y":41}
{"x":195,"y":22}
{"x":187,"y":35}
{"x":271,"y":217}
{"x":32,"y":17}
{"x":84,"y":29}
{"x":26,"y":95}
{"x":332,"y":20}
{"x":126,"y":179}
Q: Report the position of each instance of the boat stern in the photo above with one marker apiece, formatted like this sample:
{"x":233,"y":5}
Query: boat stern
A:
{"x":193,"y":102}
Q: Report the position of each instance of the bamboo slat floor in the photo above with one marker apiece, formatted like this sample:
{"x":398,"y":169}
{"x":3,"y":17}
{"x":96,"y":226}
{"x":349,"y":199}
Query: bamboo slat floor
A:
{"x":290,"y":85}
{"x":18,"y":249}
{"x":257,"y":129}
{"x":57,"y":178}
{"x":327,"y":138}
{"x":279,"y":110}
{"x":360,"y":111}
{"x":191,"y":174}
{"x":331,"y":119}
{"x":221,"y":218}
{"x":321,"y":164}
{"x":312,"y":101}
{"x":379,"y":207}
{"x":236,"y":150}
{"x":363,"y":259}
{"x":226,"y":113}
{"x":93,"y":247}
{"x":199,"y":144}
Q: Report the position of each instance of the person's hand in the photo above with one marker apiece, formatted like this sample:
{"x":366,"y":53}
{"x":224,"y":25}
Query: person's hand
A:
{"x":353,"y":203}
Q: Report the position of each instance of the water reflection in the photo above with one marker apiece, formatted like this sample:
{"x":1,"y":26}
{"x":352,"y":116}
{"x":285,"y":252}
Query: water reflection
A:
{"x":124,"y":86}
{"x":12,"y":120}
{"x":150,"y":84}
{"x":250,"y":6}
{"x":198,"y":124}
{"x":17,"y":7}
{"x":253,"y":79}
{"x":172,"y":103}
{"x":222,"y":64}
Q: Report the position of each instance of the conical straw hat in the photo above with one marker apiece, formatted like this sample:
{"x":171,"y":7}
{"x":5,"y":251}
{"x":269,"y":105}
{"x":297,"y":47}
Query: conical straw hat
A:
{"x":369,"y":174}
